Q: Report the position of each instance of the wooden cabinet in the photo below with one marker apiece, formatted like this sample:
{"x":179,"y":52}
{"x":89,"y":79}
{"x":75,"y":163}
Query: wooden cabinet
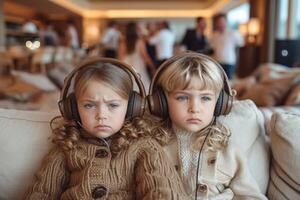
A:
{"x":15,"y":35}
{"x":248,"y":60}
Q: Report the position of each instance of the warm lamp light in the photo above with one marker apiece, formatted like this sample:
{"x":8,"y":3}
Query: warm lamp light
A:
{"x":243,"y":29}
{"x":250,"y":30}
{"x":253,"y":26}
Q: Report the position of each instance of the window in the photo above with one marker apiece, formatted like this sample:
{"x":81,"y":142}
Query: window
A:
{"x":238,"y":15}
{"x":298,"y":19}
{"x":282,"y":19}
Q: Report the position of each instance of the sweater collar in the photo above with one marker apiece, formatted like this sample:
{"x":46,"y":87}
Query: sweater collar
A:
{"x":94,"y":140}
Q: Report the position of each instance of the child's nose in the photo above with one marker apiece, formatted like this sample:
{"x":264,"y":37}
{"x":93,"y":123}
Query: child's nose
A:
{"x":101,"y":113}
{"x":194,"y":107}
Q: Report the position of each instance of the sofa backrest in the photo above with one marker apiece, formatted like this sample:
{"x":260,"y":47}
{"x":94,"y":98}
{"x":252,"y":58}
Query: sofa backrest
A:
{"x":23,"y":142}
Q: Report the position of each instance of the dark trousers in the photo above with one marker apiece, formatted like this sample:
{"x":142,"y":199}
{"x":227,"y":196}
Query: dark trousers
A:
{"x":229,"y":70}
{"x":111,"y":53}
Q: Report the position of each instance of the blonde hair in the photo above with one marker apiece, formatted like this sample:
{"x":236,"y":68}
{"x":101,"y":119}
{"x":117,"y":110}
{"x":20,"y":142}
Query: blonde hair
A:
{"x":179,"y":74}
{"x":67,"y":132}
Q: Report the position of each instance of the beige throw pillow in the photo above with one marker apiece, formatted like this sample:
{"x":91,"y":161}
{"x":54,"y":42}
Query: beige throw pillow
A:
{"x":246,"y":124}
{"x":285,"y":146}
{"x":269,"y":93}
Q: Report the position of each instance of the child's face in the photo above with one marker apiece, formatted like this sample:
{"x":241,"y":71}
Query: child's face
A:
{"x":192,"y":109}
{"x":102,"y":111}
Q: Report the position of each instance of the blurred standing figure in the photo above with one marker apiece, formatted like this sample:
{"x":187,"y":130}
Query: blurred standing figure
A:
{"x":110,"y":40}
{"x":164,"y":41}
{"x":224,"y":43}
{"x":50,"y":37}
{"x":151,"y":29}
{"x":195,"y":39}
{"x":72,"y":35}
{"x":133,"y":52}
{"x":29,"y":27}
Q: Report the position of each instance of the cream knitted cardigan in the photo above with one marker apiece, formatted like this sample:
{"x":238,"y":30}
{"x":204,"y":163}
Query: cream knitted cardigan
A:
{"x":223,"y":173}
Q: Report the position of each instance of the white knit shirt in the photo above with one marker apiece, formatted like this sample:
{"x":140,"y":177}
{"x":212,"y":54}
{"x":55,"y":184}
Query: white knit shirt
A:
{"x":187,"y":158}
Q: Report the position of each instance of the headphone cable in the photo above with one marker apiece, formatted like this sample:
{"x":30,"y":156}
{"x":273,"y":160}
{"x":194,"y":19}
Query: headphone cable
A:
{"x":198,"y":162}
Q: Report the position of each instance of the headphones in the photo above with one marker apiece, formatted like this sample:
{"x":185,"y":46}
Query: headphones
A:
{"x":68,"y":104}
{"x":157,"y":100}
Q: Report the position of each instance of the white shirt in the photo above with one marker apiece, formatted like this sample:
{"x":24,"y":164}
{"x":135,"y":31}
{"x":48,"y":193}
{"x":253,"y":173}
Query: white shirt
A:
{"x":74,"y":36}
{"x":111,"y":38}
{"x":164,"y":43}
{"x":29,"y":27}
{"x":224,"y":46}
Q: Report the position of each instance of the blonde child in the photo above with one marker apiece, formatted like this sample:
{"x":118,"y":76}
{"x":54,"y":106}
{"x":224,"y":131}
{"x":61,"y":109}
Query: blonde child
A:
{"x":103,"y":148}
{"x":188,"y":92}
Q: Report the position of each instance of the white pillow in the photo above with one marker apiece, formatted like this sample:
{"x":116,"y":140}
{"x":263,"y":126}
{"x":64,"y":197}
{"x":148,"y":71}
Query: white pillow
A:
{"x":39,"y":80}
{"x":246,"y":124}
{"x":24,"y":140}
{"x":285,"y":145}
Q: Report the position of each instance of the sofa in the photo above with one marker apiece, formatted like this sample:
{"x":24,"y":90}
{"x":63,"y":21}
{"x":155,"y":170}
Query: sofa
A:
{"x":272,"y":150}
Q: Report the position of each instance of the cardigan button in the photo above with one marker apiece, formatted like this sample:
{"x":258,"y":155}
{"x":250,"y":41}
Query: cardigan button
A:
{"x":99,"y":192}
{"x":211,"y":161}
{"x":101,"y":153}
{"x":202,"y":187}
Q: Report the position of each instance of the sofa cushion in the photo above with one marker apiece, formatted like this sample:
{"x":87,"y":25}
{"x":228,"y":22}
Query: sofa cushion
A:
{"x":23,"y":142}
{"x":294,"y":96}
{"x":246,"y":124}
{"x":269,"y":93}
{"x":285,"y":146}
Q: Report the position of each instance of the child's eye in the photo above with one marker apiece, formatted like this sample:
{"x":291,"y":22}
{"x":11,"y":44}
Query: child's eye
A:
{"x":88,"y":105}
{"x":206,"y":98}
{"x":113,"y":105}
{"x":182,"y":98}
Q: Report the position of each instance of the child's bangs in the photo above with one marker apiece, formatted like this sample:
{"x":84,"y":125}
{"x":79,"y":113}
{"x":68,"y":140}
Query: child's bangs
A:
{"x":181,"y":76}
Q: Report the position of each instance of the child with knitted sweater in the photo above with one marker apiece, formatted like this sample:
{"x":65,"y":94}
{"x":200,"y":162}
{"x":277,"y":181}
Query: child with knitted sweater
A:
{"x":103,"y":146}
{"x":188,"y":93}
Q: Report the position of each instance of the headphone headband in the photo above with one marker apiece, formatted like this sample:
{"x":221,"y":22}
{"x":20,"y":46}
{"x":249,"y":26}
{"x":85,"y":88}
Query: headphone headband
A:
{"x":192,"y":54}
{"x":127,"y":68}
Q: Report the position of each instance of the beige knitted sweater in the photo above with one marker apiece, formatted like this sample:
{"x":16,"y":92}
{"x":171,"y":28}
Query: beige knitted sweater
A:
{"x":90,"y":172}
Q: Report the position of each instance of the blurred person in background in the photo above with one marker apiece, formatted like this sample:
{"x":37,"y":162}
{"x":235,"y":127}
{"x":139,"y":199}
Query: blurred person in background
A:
{"x":195,"y":39}
{"x":164,"y":41}
{"x":133,"y":51}
{"x":224,"y":43}
{"x":29,"y":27}
{"x":72,"y":35}
{"x":49,"y":36}
{"x":111,"y":40}
{"x":150,"y":31}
